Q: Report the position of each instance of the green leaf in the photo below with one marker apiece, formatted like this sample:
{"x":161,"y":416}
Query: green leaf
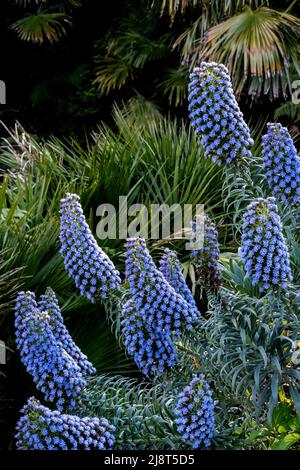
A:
{"x":286,"y":442}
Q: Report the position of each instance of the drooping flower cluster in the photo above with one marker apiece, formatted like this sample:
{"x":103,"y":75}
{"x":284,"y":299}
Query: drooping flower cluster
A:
{"x":206,"y":252}
{"x":93,"y":272}
{"x":155,"y":314}
{"x":281,"y":163}
{"x":153,"y":295}
{"x":264,"y":250}
{"x":195,"y":413}
{"x":152,"y":349}
{"x":171,"y":269}
{"x":215,"y":115}
{"x":40,"y":428}
{"x":49,"y":304}
{"x":54,"y":371}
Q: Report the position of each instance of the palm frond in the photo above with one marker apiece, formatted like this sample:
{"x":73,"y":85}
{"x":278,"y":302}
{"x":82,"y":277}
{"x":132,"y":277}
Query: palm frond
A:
{"x":174,"y":85}
{"x":40,"y":27}
{"x":138,"y":48}
{"x":212,"y":8}
{"x":126,"y":55}
{"x":289,"y":110}
{"x":259,"y":47}
{"x":173,"y":6}
{"x":112,"y":73}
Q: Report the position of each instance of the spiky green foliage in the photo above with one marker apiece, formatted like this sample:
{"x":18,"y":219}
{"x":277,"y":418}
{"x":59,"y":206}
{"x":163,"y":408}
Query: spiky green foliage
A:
{"x":252,"y":343}
{"x":144,"y":415}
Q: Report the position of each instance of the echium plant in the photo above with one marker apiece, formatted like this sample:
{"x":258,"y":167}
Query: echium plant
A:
{"x":264,"y":249}
{"x":54,"y":371}
{"x":48,"y":303}
{"x":281,"y":164}
{"x":216,"y":117}
{"x":155,"y":315}
{"x":93,"y":272}
{"x":195,"y":413}
{"x":153,"y":295}
{"x":206,"y":252}
{"x":171,"y":269}
{"x":40,"y":428}
{"x":151,"y":347}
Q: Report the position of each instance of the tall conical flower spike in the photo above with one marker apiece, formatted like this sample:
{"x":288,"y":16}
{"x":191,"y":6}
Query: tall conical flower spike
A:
{"x":171,"y":269}
{"x":150,"y":346}
{"x":93,"y":272}
{"x":264,"y":250}
{"x":154,"y":296}
{"x":281,"y":164}
{"x":195,"y":413}
{"x":49,"y":304}
{"x":55,"y":373}
{"x":216,"y":117}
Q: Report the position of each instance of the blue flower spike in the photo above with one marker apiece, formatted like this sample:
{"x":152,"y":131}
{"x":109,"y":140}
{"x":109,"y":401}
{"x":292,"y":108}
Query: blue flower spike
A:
{"x":216,"y":117}
{"x":55,"y":373}
{"x":264,"y":250}
{"x":171,"y":269}
{"x":195,"y":413}
{"x":281,"y":164}
{"x":48,"y":303}
{"x":93,"y":272}
{"x":40,"y":428}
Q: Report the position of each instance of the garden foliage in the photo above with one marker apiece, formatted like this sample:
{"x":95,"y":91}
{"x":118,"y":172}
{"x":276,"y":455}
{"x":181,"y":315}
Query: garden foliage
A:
{"x":208,"y":368}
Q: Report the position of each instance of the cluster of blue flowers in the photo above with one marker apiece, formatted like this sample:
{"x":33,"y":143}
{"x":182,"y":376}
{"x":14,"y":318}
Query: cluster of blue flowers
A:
{"x":54,"y":371}
{"x":281,"y":164}
{"x":49,"y":304}
{"x":215,"y":115}
{"x":195,"y":413}
{"x":171,"y":269}
{"x":40,"y":428}
{"x":152,"y":348}
{"x":155,"y":315}
{"x":206,"y":252}
{"x":154,"y":296}
{"x":93,"y":272}
{"x":264,"y":250}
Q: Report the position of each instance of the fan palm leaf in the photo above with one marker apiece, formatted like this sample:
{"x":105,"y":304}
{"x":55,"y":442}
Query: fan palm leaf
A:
{"x":112,"y":73}
{"x":259,"y":46}
{"x":218,"y":8}
{"x":41,"y":26}
{"x":126,"y":55}
{"x":174,"y":85}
